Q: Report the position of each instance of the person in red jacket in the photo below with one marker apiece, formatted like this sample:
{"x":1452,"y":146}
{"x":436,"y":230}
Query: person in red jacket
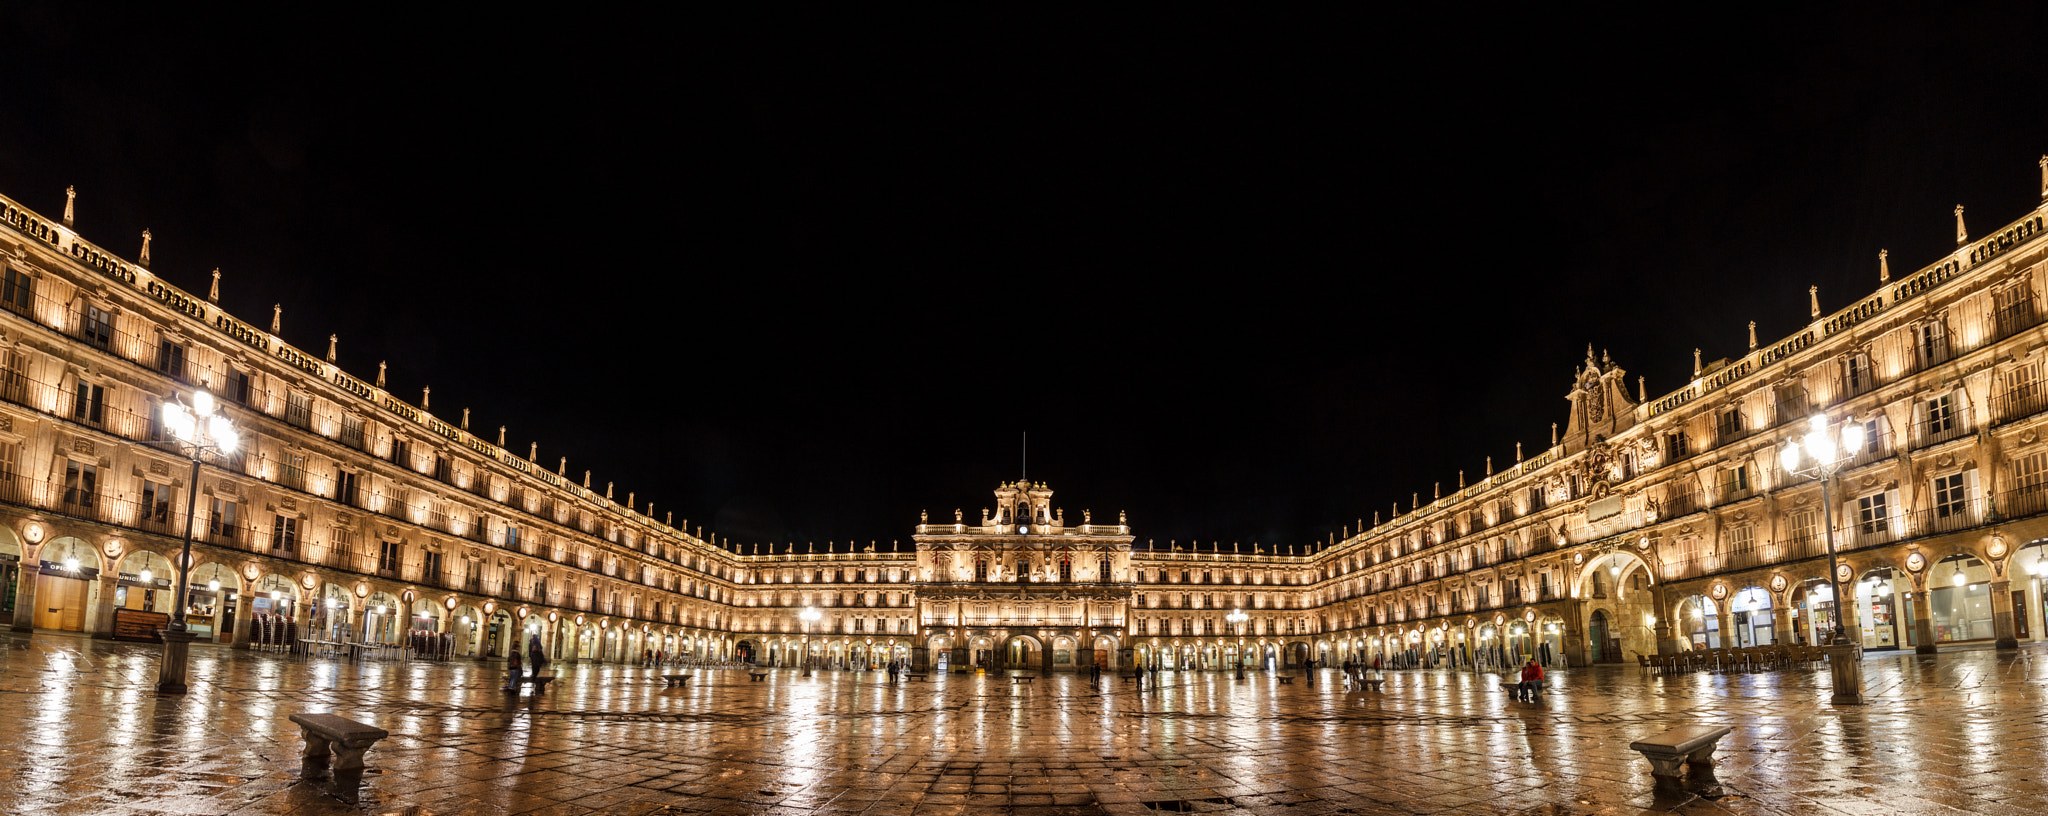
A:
{"x":1532,"y":682}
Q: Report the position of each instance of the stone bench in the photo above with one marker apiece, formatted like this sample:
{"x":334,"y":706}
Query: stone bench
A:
{"x":1670,"y":752}
{"x":914,"y":675}
{"x":677,"y":680}
{"x":757,"y":676}
{"x":1371,"y":683}
{"x":1024,"y":678}
{"x":346,"y":738}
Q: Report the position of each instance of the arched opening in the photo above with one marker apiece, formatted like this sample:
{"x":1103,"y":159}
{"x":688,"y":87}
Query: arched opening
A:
{"x":1880,"y":596}
{"x":383,"y":618}
{"x":274,"y":623}
{"x":1699,"y":621}
{"x":1598,"y":647}
{"x":217,"y":591}
{"x":1550,"y":641}
{"x":10,"y":571}
{"x":424,"y":631}
{"x":468,"y":631}
{"x":1755,"y":619}
{"x":332,"y":615}
{"x":1815,"y":621}
{"x":1023,"y":652}
{"x":1959,"y":599}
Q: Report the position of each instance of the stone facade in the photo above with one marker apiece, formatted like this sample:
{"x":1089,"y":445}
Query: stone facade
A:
{"x":1650,"y":524}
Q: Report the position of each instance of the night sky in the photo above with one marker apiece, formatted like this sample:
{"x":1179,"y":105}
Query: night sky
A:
{"x":1249,"y":280}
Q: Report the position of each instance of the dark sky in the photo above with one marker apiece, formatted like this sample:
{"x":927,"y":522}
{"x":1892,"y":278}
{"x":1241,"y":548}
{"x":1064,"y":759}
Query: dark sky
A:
{"x":797,"y":279}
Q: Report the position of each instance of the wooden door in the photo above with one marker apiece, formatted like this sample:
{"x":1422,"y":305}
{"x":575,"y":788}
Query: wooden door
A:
{"x":60,"y":603}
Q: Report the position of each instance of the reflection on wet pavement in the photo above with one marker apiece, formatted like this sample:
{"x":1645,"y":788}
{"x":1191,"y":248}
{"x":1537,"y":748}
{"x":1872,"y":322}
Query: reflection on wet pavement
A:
{"x":1957,"y":733}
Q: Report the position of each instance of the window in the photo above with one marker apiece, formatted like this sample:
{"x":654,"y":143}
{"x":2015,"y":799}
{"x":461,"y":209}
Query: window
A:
{"x":1805,"y":525}
{"x":1729,"y":423}
{"x":156,"y":502}
{"x":298,"y":409}
{"x":170,"y":358}
{"x":222,"y":522}
{"x":81,"y":484}
{"x":343,"y":547}
{"x":1676,"y":447}
{"x":1066,"y":570}
{"x":1742,"y":539}
{"x":352,"y":431}
{"x":401,"y":453}
{"x":387,"y":557}
{"x":284,"y":535}
{"x":1930,"y":340}
{"x":238,"y":386}
{"x":89,"y":403}
{"x":17,"y":292}
{"x":1103,"y":572}
{"x":445,"y":471}
{"x":430,"y":566}
{"x":1949,"y":495}
{"x":295,"y":471}
{"x":511,"y":536}
{"x":1856,"y":373}
{"x":1941,"y":415}
{"x":1870,"y":514}
{"x":345,"y":487}
{"x":1734,"y":482}
{"x":98,"y":327}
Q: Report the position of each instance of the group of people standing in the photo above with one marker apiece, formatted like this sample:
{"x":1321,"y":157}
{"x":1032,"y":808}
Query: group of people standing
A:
{"x":537,"y":659}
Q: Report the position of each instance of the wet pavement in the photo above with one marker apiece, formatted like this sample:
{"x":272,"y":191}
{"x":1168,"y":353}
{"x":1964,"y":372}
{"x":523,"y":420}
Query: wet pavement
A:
{"x":1961,"y":732}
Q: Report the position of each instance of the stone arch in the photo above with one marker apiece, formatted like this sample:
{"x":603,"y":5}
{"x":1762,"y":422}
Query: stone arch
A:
{"x":1628,"y":560}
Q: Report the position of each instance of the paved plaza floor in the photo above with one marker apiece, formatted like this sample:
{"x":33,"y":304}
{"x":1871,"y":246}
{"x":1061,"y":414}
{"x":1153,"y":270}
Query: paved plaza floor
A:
{"x":1961,"y":732}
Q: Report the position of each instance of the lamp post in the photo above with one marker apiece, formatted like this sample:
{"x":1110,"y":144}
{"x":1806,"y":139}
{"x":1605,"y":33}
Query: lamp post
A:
{"x":1236,"y":618}
{"x":195,"y":430}
{"x":809,"y":614}
{"x":1820,"y":455}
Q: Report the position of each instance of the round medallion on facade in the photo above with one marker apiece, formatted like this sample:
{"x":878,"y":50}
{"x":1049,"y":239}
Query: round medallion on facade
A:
{"x":407,"y":595}
{"x":1578,"y":558}
{"x":309,"y":581}
{"x":1916,"y":562}
{"x":33,"y":532}
{"x":112,"y":547}
{"x":362,"y":589}
{"x":1529,"y":616}
{"x":1720,"y":591}
{"x":1997,"y":548}
{"x":450,"y":602}
{"x":522,"y":612}
{"x":1643,"y":543}
{"x":554,"y":616}
{"x":579,"y":620}
{"x":1778,"y":583}
{"x":1499,"y":619}
{"x":490,"y":607}
{"x":1843,"y":574}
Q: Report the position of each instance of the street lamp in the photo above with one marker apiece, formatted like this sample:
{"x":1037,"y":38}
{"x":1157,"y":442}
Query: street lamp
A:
{"x":1819,"y":455}
{"x":195,"y":430}
{"x":1236,"y":618}
{"x":809,"y":614}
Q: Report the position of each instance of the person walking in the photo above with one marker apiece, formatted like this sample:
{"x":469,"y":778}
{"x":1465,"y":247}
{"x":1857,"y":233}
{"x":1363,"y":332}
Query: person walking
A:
{"x":512,"y":672}
{"x":536,"y":655}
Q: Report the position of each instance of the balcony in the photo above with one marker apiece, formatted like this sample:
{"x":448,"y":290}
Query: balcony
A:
{"x":2016,"y":403}
{"x":1935,"y":430}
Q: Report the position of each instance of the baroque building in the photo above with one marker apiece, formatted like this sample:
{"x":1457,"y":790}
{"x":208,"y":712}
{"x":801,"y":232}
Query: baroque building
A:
{"x":1651,"y":524}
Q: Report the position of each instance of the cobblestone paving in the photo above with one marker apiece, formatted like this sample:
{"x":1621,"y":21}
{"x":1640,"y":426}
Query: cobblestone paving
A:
{"x":1958,"y":733}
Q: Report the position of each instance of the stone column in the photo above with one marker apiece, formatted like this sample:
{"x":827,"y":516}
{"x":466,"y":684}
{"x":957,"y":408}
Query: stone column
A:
{"x":2001,"y":615}
{"x":1575,"y":634}
{"x":1923,"y":622}
{"x":1725,"y":610}
{"x":25,"y":594}
{"x":103,"y":617}
{"x":1781,"y":620}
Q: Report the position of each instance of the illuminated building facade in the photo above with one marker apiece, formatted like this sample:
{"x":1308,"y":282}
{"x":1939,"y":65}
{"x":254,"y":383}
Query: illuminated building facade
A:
{"x":1649,"y":525}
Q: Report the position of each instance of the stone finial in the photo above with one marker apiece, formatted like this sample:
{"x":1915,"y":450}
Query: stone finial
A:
{"x":276,"y":318}
{"x":563,"y":469}
{"x":1437,"y":492}
{"x":672,"y":520}
{"x":1120,"y":519}
{"x":586,"y":480}
{"x":1962,"y":232}
{"x":213,"y":292}
{"x":532,"y":451}
{"x":1489,"y":465}
{"x":1414,"y":501}
{"x":380,"y":373}
{"x":607,"y":491}
{"x":1518,"y":453}
{"x":426,"y":394}
{"x":144,"y":260}
{"x":630,"y":497}
{"x":1752,"y":335}
{"x":1884,"y":267}
{"x":1695,"y":362}
{"x":465,"y":419}
{"x":1553,"y":434}
{"x":71,"y":196}
{"x":958,"y":516}
{"x":501,"y":436}
{"x":332,"y":341}
{"x":1642,"y":395}
{"x":1461,"y":480}
{"x":1813,"y":302}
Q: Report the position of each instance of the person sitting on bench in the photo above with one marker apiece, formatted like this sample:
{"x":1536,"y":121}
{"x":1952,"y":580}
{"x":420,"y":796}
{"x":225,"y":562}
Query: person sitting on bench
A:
{"x":1532,"y":682}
